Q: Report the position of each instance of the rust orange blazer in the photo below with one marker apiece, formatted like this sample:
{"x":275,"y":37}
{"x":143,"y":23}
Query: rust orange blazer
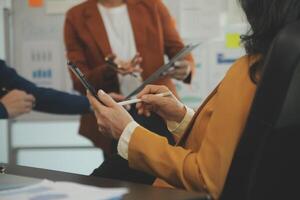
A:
{"x":202,"y":158}
{"x":87,"y":45}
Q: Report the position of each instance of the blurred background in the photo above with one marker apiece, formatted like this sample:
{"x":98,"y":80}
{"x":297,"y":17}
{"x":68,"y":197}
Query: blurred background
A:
{"x":31,"y":39}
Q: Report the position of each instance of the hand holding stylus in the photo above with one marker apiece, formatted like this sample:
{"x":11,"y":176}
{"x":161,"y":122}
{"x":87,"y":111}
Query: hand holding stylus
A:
{"x":168,"y":107}
{"x":133,"y":101}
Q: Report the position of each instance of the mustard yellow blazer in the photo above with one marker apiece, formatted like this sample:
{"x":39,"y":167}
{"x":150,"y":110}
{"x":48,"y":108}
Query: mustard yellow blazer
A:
{"x":202,"y":158}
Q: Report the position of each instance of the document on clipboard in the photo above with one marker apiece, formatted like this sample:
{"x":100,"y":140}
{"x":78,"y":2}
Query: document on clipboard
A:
{"x":158,"y":73}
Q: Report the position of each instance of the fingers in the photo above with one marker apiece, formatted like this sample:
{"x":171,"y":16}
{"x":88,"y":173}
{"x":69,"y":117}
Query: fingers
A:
{"x":145,"y":110}
{"x":95,"y":103}
{"x":180,"y":70}
{"x":152,"y":99}
{"x":111,"y":57}
{"x":128,"y":67}
{"x":117,"y":97}
{"x":106,"y":99}
{"x":137,"y":60}
{"x":150,"y":104}
{"x":152,"y":89}
{"x":179,"y":74}
{"x":28,"y":106}
{"x":29,"y":98}
{"x":181,"y":64}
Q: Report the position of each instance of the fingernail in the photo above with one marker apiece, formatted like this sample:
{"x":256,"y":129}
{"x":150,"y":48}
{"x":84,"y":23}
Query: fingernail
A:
{"x":101,"y":92}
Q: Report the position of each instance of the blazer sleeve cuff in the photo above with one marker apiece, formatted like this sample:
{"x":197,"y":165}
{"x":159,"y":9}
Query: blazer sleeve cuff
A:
{"x":125,"y":139}
{"x":179,"y":128}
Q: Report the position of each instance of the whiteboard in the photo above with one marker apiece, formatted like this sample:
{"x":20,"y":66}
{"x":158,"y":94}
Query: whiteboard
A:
{"x":38,"y":51}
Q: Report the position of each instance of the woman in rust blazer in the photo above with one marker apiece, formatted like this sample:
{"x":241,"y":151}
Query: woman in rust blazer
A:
{"x":87,"y":45}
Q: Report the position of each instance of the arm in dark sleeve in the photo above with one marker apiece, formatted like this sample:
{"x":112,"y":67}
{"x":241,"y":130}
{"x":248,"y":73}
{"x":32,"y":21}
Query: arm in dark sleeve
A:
{"x":3,"y":112}
{"x":172,"y":40}
{"x":47,"y":100}
{"x":57,"y":102}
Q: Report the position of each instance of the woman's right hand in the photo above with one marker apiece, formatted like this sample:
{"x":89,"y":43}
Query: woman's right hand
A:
{"x":127,"y":67}
{"x":169,"y":108}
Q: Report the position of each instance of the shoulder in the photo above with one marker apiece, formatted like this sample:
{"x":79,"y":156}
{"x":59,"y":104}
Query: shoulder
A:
{"x":238,"y":75}
{"x":6,"y":73}
{"x":241,"y":65}
{"x":153,"y":4}
{"x":78,"y":9}
{"x":3,"y":66}
{"x":2,"y":63}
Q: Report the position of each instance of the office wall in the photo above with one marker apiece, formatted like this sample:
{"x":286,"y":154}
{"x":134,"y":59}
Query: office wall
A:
{"x":3,"y":123}
{"x":2,"y":47}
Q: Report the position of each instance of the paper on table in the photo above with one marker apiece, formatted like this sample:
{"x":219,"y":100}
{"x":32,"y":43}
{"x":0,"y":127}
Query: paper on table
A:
{"x":47,"y":190}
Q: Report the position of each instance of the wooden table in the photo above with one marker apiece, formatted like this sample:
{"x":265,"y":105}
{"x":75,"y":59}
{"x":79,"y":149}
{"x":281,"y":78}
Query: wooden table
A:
{"x":137,"y":191}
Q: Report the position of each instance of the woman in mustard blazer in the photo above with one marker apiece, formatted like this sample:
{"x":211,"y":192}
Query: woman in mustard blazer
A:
{"x":96,"y":29}
{"x":208,"y":138}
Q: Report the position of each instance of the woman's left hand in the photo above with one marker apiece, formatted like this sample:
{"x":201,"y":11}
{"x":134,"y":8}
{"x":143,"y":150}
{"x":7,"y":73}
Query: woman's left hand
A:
{"x":181,"y":70}
{"x":112,"y":118}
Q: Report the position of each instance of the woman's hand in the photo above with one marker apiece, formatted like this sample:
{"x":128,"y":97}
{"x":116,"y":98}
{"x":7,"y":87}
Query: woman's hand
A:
{"x":17,"y":102}
{"x":128,"y":67}
{"x":169,"y":108}
{"x":117,"y":97}
{"x":112,"y":118}
{"x":181,"y":70}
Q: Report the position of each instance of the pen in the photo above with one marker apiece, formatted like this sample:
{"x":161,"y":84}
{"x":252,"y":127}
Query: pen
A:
{"x":133,"y":101}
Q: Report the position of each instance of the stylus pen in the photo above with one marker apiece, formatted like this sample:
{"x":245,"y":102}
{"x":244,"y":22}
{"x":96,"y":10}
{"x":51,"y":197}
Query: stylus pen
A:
{"x":133,"y":101}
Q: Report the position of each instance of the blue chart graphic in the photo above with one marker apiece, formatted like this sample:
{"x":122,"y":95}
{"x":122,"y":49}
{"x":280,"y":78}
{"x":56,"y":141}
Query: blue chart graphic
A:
{"x":42,"y":73}
{"x":50,"y":197}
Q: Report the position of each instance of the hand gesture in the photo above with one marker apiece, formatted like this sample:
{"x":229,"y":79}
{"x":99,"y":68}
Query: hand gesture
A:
{"x":17,"y":103}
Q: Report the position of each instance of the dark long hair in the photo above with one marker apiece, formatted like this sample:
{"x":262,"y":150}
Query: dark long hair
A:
{"x":266,"y":18}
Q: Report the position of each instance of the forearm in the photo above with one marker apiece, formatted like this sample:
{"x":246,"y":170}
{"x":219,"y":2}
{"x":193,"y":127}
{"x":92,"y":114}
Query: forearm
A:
{"x":176,"y":165}
{"x":56,"y":102}
{"x":151,"y":153}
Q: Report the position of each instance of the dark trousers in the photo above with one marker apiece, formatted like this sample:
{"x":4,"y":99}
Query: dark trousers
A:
{"x":115,"y":167}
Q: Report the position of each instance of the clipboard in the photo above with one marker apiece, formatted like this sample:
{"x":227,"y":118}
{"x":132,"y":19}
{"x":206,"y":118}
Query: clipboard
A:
{"x":158,"y":73}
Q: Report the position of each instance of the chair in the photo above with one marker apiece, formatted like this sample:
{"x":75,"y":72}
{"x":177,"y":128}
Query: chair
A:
{"x":266,"y":164}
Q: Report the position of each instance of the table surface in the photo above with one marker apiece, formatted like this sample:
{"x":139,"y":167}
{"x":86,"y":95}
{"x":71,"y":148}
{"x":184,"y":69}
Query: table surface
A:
{"x":137,"y":191}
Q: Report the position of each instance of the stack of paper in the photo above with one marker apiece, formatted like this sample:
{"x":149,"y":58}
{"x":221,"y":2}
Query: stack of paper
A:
{"x":48,"y":190}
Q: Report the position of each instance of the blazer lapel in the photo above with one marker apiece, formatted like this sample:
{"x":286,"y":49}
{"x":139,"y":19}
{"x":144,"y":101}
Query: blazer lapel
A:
{"x":137,"y":23}
{"x":190,"y":126}
{"x":96,"y":27}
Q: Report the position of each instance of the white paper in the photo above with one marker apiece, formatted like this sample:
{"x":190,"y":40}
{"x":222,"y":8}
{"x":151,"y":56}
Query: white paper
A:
{"x":41,"y":63}
{"x":48,"y":190}
{"x":200,"y":18}
{"x":60,"y":6}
